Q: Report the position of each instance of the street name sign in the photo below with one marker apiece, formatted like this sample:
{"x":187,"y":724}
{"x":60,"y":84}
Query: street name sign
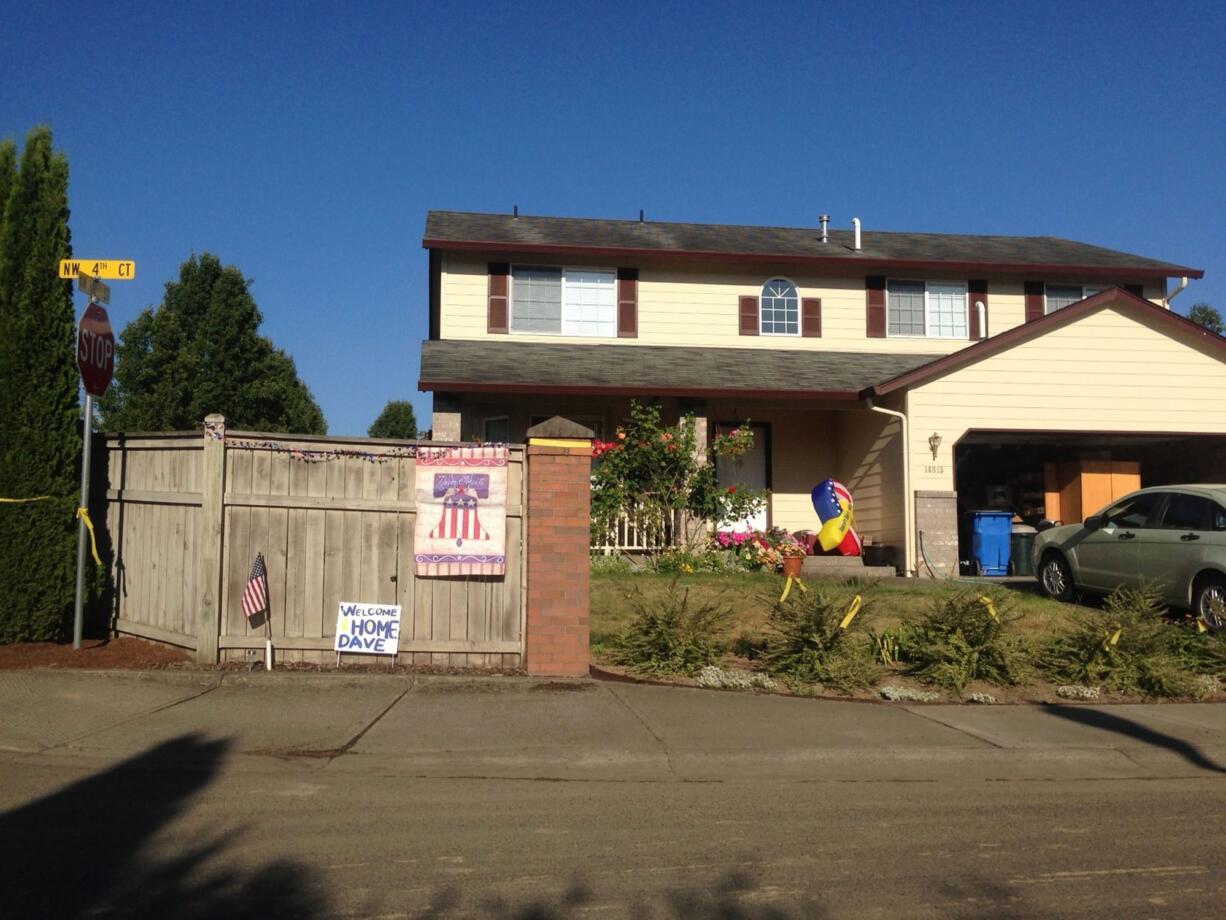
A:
{"x":95,"y":350}
{"x":114,"y":269}
{"x":94,"y":289}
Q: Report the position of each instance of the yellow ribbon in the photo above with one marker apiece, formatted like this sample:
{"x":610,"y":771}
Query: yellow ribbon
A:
{"x":89,"y":525}
{"x":787,"y":587}
{"x":22,"y":501}
{"x":987,"y":602}
{"x":856,"y":603}
{"x":1114,"y":638}
{"x":1201,"y":627}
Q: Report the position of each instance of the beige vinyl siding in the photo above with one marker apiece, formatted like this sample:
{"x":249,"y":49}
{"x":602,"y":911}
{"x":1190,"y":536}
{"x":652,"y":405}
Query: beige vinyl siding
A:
{"x":1107,"y":371}
{"x":687,"y":304}
{"x":870,"y":465}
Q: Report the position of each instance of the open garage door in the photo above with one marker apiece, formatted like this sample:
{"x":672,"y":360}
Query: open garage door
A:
{"x":1067,"y":476}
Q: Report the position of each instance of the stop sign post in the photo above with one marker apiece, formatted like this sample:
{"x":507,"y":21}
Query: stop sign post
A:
{"x":96,"y":361}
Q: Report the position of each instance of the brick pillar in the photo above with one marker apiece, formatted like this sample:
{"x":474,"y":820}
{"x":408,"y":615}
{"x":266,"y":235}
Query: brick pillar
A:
{"x":936,"y":514}
{"x":558,"y":528}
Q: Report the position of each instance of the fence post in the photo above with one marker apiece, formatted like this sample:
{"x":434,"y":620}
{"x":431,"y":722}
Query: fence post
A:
{"x":559,"y":472}
{"x":208,"y":547}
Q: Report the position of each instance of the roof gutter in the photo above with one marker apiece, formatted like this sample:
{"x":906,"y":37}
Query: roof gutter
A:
{"x":1183,"y":283}
{"x":1085,"y":272}
{"x":566,"y":389}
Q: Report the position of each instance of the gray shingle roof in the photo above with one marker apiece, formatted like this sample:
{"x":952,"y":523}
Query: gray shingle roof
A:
{"x":447,"y":229}
{"x":652,"y":369}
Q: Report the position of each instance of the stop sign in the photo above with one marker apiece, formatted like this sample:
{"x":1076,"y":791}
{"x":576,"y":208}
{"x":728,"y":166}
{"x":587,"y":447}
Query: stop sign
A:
{"x":95,"y":350}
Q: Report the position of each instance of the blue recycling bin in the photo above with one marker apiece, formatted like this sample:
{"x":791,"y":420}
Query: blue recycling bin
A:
{"x":990,"y":534}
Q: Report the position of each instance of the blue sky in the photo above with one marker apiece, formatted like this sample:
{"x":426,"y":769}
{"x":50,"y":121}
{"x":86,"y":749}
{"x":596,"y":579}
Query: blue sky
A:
{"x":305,"y":142}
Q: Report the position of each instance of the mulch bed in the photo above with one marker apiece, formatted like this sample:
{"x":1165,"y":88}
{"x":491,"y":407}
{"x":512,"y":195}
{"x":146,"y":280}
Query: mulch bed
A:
{"x":125,"y":653}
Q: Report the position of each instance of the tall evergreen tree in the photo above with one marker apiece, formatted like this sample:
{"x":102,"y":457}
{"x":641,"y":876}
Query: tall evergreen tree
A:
{"x":40,"y":437}
{"x":395,"y":421}
{"x":201,"y":352}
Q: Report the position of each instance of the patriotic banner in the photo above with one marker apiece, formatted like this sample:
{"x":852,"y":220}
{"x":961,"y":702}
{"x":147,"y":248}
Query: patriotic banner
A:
{"x":461,"y":524}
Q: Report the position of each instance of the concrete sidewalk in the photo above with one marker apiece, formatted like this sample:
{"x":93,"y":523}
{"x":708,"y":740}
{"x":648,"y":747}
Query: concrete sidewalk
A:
{"x":433,"y":726}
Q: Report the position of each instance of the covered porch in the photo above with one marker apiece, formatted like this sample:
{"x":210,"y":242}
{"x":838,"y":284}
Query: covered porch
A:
{"x":808,"y":418}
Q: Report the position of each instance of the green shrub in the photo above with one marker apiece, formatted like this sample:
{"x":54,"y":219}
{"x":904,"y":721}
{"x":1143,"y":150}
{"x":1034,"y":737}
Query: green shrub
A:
{"x":670,"y":635}
{"x":1127,"y":647}
{"x":677,"y":561}
{"x":887,"y":647}
{"x":965,"y":637}
{"x":807,"y":645}
{"x":611,"y":565}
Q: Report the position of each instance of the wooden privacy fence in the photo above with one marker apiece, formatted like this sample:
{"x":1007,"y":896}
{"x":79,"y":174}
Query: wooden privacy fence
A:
{"x":334,"y":517}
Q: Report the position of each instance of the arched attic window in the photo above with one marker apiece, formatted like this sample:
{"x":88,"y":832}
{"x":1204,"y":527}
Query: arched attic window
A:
{"x":779,"y":308}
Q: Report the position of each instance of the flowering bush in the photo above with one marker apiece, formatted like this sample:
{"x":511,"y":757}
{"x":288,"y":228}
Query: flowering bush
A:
{"x":656,"y":475}
{"x":791,"y":548}
{"x":757,"y":552}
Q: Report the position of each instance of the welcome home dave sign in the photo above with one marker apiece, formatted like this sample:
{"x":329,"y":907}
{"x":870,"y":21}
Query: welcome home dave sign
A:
{"x":367,"y":629}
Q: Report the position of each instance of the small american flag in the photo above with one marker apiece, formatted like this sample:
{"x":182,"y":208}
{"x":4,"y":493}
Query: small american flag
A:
{"x":255,"y":597}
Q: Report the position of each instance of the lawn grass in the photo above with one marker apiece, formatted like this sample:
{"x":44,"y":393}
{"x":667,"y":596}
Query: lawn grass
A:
{"x":751,"y":594}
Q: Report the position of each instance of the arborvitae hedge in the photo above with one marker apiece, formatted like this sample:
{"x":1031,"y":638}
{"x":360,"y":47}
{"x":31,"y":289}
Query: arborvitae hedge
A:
{"x":40,"y":422}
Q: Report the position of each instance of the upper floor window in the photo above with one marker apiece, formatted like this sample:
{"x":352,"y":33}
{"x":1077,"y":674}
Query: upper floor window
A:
{"x":1060,"y":296}
{"x":779,"y":308}
{"x":935,"y":309}
{"x":564,"y":301}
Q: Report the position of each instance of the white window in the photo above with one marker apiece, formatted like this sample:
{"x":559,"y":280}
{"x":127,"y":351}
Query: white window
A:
{"x":564,"y":301}
{"x":935,"y":309}
{"x":1060,"y":296}
{"x":779,"y":308}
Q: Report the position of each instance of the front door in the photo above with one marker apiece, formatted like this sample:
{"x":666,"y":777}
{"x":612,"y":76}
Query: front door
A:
{"x":749,"y":471}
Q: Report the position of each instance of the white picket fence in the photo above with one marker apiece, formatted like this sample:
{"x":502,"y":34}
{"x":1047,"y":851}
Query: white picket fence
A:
{"x":631,"y":535}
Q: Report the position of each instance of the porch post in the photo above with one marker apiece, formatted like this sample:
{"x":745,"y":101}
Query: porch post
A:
{"x":445,"y":423}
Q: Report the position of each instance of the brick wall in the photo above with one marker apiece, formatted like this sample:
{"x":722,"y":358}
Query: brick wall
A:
{"x":559,"y":511}
{"x":936,"y":515}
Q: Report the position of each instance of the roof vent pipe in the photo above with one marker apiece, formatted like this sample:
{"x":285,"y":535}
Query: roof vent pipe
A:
{"x":515,"y":211}
{"x":640,"y":215}
{"x":855,"y":225}
{"x":824,"y":219}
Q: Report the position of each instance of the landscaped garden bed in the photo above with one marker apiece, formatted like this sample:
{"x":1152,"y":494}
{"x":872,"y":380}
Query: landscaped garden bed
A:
{"x":925,"y":641}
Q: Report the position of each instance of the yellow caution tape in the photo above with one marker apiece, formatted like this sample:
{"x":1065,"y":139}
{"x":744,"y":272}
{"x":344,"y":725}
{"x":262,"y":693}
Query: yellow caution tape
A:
{"x":22,"y":501}
{"x":987,"y":602}
{"x":89,"y":525}
{"x":856,"y":604}
{"x":787,"y":587}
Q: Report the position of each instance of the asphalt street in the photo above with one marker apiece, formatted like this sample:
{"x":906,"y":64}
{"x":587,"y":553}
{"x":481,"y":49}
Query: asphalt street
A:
{"x":200,"y":795}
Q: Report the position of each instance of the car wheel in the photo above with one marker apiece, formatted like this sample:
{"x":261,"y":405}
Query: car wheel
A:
{"x":1210,"y":601}
{"x":1056,"y":577}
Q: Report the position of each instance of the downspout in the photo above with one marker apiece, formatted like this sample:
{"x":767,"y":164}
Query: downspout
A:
{"x":1183,"y":283}
{"x":908,"y":498}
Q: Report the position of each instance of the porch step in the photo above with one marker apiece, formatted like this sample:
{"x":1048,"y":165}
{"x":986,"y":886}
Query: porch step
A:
{"x":843,"y":567}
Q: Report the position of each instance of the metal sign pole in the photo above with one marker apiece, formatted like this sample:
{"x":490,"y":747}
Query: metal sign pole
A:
{"x":78,"y":618}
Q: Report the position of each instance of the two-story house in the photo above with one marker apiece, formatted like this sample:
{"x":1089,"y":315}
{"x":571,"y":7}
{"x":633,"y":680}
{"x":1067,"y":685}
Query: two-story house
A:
{"x":930,"y":373}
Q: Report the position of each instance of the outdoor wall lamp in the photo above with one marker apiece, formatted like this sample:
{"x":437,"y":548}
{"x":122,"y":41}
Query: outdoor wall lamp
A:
{"x":934,"y":444}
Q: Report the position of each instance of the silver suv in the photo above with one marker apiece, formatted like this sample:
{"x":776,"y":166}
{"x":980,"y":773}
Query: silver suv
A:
{"x":1171,"y":536}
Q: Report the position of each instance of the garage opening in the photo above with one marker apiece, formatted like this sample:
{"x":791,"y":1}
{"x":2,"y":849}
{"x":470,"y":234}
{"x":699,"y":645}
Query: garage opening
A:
{"x":1039,"y":476}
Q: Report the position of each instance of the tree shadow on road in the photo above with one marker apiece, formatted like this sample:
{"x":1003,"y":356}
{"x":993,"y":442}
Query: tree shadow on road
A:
{"x":1100,"y":718}
{"x":86,"y":849}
